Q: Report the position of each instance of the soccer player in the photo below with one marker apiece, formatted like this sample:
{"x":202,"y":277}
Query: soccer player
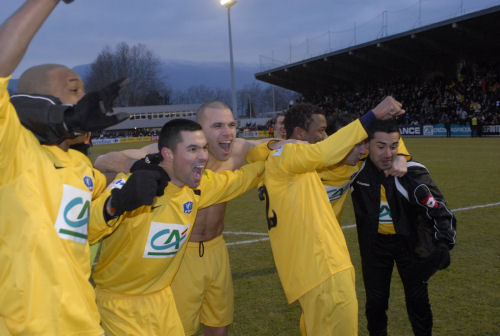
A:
{"x":308,"y":245}
{"x":392,"y":216}
{"x":138,"y":261}
{"x":203,"y":287}
{"x":43,"y":290}
{"x":46,"y":190}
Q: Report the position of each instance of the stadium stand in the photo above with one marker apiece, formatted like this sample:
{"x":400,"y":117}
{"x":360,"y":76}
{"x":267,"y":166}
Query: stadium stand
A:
{"x":444,"y":73}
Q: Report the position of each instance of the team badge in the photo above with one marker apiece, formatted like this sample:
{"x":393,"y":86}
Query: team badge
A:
{"x":117,"y":184}
{"x":188,"y":207}
{"x":89,"y":183}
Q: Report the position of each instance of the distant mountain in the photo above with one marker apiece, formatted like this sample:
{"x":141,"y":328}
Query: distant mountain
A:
{"x":181,"y":75}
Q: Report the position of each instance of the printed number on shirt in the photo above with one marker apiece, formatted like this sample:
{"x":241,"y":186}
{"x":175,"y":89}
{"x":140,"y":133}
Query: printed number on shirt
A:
{"x":165,"y":240}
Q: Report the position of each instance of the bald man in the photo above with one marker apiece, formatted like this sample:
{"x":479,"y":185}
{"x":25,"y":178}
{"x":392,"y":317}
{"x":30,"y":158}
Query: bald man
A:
{"x":45,"y":191}
{"x":202,"y":287}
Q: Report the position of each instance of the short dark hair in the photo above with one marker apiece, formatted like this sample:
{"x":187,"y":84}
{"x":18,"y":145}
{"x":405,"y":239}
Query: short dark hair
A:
{"x":300,"y":115}
{"x":170,"y":134}
{"x":386,"y":126}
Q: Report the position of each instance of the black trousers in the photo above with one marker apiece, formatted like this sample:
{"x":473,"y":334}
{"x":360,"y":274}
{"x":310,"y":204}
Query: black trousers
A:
{"x":377,"y":268}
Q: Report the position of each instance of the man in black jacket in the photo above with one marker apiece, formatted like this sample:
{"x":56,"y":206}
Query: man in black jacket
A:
{"x":403,"y":220}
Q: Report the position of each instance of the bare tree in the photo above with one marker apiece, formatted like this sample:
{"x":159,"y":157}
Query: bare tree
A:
{"x":137,"y":63}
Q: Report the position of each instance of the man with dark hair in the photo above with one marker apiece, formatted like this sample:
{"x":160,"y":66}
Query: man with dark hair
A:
{"x":198,"y":300}
{"x":305,"y":121}
{"x":399,"y":220}
{"x":308,"y":245}
{"x":137,"y":263}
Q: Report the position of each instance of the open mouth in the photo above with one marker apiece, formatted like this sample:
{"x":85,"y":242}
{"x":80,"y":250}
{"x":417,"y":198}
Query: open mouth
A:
{"x":197,"y":172}
{"x":225,"y":146}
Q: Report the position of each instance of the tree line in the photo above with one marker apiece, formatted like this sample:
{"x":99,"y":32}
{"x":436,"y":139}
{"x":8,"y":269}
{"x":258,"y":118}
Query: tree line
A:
{"x":148,"y":87}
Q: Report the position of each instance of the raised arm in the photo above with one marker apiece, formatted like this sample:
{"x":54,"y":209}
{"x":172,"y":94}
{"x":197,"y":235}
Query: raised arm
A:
{"x":18,"y":30}
{"x":112,"y":163}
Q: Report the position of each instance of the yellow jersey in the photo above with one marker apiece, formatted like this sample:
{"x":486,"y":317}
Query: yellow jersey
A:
{"x":145,"y":251}
{"x":43,"y":289}
{"x":307,"y":242}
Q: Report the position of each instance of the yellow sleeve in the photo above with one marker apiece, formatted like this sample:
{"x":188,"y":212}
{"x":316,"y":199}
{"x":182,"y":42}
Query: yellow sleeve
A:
{"x":259,"y":152}
{"x":402,"y":150}
{"x":100,"y":183}
{"x":298,"y":158}
{"x":226,"y":185}
{"x":98,"y":227}
{"x":18,"y":146}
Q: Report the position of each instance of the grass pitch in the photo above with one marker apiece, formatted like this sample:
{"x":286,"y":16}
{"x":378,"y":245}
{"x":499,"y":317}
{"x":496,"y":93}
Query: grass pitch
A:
{"x":465,"y":297}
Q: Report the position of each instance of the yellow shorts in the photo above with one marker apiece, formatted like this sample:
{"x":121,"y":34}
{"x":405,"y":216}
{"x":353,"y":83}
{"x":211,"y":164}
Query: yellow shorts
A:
{"x":331,"y":308}
{"x":149,"y":315}
{"x":203,"y":287}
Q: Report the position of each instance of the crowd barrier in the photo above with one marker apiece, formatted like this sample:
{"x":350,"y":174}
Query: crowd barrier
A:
{"x":254,"y":134}
{"x":107,"y":141}
{"x":436,"y":130}
{"x":439,"y":130}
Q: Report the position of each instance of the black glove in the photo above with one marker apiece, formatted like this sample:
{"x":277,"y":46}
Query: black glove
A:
{"x":94,"y":111}
{"x":140,"y":189}
{"x":150,"y":163}
{"x":68,"y":1}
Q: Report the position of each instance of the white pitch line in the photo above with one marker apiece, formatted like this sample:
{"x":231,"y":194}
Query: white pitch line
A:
{"x":243,"y":242}
{"x":246,"y":233}
{"x":477,"y":207}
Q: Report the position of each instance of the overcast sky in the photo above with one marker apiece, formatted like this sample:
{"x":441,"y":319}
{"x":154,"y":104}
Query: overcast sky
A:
{"x":197,"y":30}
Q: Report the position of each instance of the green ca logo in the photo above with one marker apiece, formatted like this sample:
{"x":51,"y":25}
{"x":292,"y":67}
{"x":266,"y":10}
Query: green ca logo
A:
{"x":165,"y":240}
{"x":82,"y":214}
{"x":335,"y":194}
{"x":385,"y":214}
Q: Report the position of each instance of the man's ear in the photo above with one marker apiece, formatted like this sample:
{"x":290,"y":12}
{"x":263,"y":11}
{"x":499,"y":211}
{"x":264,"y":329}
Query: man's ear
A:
{"x":298,"y":133}
{"x":167,"y":154}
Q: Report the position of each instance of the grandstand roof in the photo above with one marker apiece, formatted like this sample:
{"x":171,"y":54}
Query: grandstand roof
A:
{"x":434,"y":48}
{"x":154,"y":116}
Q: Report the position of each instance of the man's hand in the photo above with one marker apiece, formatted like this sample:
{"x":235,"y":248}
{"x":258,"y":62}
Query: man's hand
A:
{"x":150,"y":163}
{"x":94,"y":111}
{"x":388,"y":108}
{"x":399,"y":167}
{"x":140,"y":189}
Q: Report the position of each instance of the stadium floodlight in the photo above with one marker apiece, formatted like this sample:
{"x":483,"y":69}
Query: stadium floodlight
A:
{"x":228,"y":4}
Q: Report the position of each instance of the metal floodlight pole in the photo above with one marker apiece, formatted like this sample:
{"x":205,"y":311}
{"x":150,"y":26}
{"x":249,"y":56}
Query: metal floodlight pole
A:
{"x":228,"y":4}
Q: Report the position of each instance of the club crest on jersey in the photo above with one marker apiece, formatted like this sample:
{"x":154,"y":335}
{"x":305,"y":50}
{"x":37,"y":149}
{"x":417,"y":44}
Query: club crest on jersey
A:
{"x":165,"y":240}
{"x":188,"y":207}
{"x":89,"y":183}
{"x":117,"y":184}
{"x":430,"y":202}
